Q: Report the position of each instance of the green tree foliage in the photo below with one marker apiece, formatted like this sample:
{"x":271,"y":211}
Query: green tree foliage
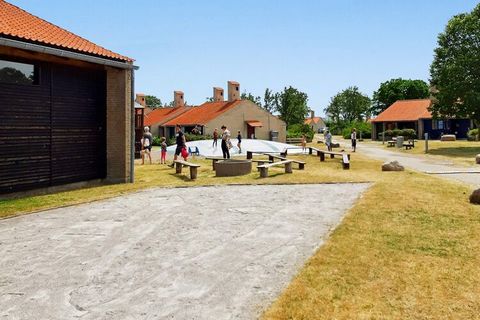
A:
{"x":455,"y":71}
{"x":348,"y":105}
{"x":153,"y":102}
{"x":12,"y":75}
{"x":269,"y":100}
{"x":248,"y":96}
{"x":292,"y":106}
{"x":398,"y":89}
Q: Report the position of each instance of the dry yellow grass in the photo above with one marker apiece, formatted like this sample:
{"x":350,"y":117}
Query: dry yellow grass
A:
{"x":409,"y":249}
{"x":148,"y":176}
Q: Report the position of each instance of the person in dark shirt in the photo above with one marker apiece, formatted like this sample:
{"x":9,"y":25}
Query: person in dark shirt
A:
{"x":180,"y":139}
{"x":147,"y":140}
{"x":239,"y":143}
{"x":215,"y":137}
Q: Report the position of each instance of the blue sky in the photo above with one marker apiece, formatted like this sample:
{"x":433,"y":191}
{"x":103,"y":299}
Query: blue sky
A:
{"x":319,"y":47}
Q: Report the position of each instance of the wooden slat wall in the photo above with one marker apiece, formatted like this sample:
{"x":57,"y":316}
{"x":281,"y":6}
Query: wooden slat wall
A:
{"x":53,"y":133}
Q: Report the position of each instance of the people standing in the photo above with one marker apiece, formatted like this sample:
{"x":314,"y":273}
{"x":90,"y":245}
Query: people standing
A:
{"x":215,"y":137}
{"x":163,"y":145}
{"x":304,"y":143}
{"x":225,"y":142}
{"x":180,"y":140}
{"x":239,"y":144}
{"x":328,"y":140}
{"x":146,"y":141}
{"x":353,"y":137}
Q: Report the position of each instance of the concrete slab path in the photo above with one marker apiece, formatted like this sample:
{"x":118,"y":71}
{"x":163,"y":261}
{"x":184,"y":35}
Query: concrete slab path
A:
{"x":199,"y":253}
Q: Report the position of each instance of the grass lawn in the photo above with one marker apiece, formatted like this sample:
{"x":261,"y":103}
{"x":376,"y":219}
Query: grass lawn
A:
{"x":409,"y":249}
{"x":460,"y":152}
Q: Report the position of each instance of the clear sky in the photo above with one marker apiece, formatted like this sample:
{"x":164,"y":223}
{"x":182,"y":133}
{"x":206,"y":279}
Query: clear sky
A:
{"x":319,"y":47}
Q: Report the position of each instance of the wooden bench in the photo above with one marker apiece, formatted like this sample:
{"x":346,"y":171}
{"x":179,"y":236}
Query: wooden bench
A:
{"x":294,"y":140}
{"x":391,"y":143}
{"x":272,"y":157}
{"x":345,"y":157}
{"x":311,"y":149}
{"x":264,"y":168}
{"x":214,"y":160}
{"x":179,"y":164}
{"x":409,"y":145}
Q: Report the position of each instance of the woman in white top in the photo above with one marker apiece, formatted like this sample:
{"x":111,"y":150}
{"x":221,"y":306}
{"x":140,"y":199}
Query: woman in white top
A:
{"x":353,"y":137}
{"x":225,"y":142}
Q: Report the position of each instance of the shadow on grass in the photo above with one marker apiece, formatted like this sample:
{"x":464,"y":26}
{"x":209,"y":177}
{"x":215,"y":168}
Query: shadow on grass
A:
{"x":456,"y":152}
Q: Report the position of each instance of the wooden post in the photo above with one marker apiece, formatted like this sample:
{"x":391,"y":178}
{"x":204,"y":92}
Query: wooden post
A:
{"x":426,"y":142}
{"x":322,"y":156}
{"x":288,"y":167}
{"x":178,"y":167}
{"x":213,"y":164}
{"x":263,"y":172}
{"x":310,"y":151}
{"x":249,"y":155}
{"x":271,"y":159}
{"x":193,"y":172}
{"x":332,"y":156}
{"x":383,"y":133}
{"x":301,"y":166}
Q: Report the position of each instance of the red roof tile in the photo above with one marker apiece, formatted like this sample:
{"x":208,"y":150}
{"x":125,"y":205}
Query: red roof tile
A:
{"x":406,"y":110}
{"x":161,"y":115}
{"x":314,"y":119}
{"x":203,"y":113}
{"x":16,"y":23}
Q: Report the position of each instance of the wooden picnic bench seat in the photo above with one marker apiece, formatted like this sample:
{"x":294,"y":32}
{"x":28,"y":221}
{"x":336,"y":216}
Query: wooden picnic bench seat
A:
{"x":409,"y":145}
{"x":391,"y":143}
{"x":179,"y":164}
{"x":345,"y":157}
{"x":264,"y":167}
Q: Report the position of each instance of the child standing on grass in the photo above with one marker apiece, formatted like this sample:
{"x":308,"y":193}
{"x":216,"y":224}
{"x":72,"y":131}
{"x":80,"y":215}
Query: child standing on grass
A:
{"x":304,"y":143}
{"x":163,"y":145}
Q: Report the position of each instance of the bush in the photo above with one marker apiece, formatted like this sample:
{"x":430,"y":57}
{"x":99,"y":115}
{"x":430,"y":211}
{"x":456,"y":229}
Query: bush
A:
{"x":156,"y":141}
{"x":364,"y":128}
{"x":196,"y":137}
{"x":473,"y":134}
{"x":407,"y":133}
{"x":297,"y":130}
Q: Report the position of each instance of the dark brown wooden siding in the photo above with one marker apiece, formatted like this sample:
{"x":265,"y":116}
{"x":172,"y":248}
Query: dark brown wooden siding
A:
{"x":53,"y":133}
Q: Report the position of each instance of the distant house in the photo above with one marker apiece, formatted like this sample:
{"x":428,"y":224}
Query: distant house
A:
{"x":414,"y":114}
{"x":315,"y":122}
{"x":65,"y":106}
{"x":238,"y":115}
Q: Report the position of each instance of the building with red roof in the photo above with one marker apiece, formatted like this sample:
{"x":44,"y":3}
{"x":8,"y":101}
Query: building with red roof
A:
{"x":415,"y":114}
{"x":316,"y":123}
{"x":238,"y":115}
{"x":66,"y":106}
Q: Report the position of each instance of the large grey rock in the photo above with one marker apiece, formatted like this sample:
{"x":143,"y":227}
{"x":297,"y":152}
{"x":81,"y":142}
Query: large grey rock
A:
{"x":477,"y":159}
{"x":392,"y":166}
{"x":475,"y":197}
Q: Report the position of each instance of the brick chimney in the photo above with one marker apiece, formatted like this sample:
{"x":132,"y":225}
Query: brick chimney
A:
{"x":178,"y":100}
{"x":140,"y":98}
{"x":218,"y":94}
{"x":312,"y":114}
{"x":233,"y":91}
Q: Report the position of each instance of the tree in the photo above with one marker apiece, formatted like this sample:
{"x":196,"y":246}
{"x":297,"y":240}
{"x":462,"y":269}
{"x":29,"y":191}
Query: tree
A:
{"x":455,"y":72}
{"x":12,"y":75}
{"x":269,"y":100}
{"x":153,"y":102}
{"x":292,"y":106}
{"x":251,"y":97}
{"x":348,"y":105}
{"x":398,"y":89}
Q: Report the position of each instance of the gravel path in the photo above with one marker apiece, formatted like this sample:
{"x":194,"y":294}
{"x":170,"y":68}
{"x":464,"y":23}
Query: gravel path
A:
{"x":197,"y":253}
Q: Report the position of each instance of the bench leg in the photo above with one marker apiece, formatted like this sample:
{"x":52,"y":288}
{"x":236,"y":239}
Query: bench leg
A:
{"x":301,"y":166}
{"x":249,"y":155}
{"x":310,"y":151}
{"x":259,"y":163}
{"x":263,"y":172}
{"x":213,"y":164}
{"x":193,"y":173}
{"x":322,"y":156}
{"x":288,"y":168}
{"x":178,"y":167}
{"x":346,"y":166}
{"x":332,"y":156}
{"x":318,"y":153}
{"x":348,"y":157}
{"x":271,"y":159}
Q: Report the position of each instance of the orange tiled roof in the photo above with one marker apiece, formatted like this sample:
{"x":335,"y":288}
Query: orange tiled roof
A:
{"x":314,"y":120}
{"x":18,"y":24}
{"x":406,"y":110}
{"x":161,"y":115}
{"x":203,"y":113}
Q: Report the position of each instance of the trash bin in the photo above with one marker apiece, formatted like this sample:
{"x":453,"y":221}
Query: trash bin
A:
{"x":273,"y":135}
{"x":400,"y":140}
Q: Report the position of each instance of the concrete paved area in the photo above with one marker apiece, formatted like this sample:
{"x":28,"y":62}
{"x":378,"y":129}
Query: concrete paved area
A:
{"x":199,"y":253}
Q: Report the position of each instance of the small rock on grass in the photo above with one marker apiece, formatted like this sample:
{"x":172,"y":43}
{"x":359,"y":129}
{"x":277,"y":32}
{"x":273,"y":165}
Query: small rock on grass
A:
{"x":392,"y":166}
{"x":477,"y":159}
{"x":475,"y":197}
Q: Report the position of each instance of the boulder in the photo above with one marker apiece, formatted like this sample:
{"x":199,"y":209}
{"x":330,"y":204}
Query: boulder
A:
{"x":335,"y":145}
{"x":475,"y":197}
{"x":392,"y":166}
{"x":477,"y":159}
{"x":448,"y":137}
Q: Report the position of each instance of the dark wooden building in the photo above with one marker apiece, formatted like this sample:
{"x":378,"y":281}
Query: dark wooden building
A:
{"x":66,"y":106}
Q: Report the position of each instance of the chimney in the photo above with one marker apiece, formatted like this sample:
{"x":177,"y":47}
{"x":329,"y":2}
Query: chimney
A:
{"x":312,"y":114}
{"x":233,"y":91}
{"x":178,"y":100}
{"x":218,"y":94}
{"x":140,"y":98}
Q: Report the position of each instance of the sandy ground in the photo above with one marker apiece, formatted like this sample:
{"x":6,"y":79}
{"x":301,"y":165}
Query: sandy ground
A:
{"x":197,"y":253}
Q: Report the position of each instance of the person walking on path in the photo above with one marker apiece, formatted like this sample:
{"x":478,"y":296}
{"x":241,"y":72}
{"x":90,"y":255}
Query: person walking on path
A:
{"x":180,"y":139}
{"x":163,"y":145}
{"x":215,"y":137}
{"x":225,"y":142}
{"x":239,"y":144}
{"x":328,"y":140}
{"x":304,"y":143}
{"x":146,"y":141}
{"x":353,"y":137}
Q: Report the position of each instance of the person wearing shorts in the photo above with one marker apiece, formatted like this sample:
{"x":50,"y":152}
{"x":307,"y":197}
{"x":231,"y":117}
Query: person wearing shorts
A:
{"x":163,"y":145}
{"x":353,"y":137}
{"x":225,"y":142}
{"x":147,"y":140}
{"x":180,"y":139}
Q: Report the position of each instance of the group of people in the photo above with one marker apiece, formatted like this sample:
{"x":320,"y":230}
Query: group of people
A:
{"x":226,"y":143}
